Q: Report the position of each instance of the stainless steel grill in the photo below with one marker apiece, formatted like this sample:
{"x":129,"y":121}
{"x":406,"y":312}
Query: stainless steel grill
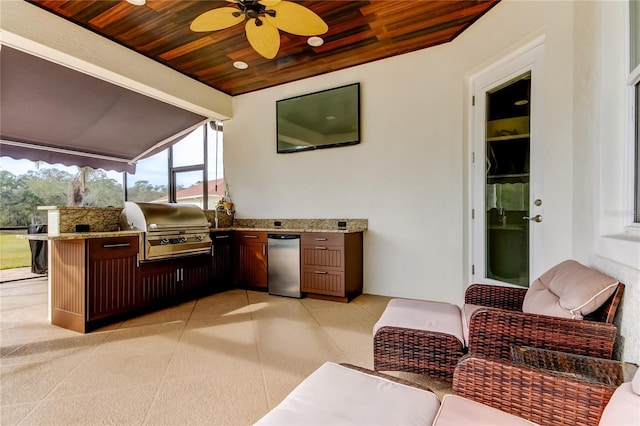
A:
{"x":170,"y":230}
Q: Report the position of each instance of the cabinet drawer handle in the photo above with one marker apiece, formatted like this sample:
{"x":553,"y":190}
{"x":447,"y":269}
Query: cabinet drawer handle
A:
{"x":116,"y":245}
{"x":250,"y":236}
{"x":321,"y":272}
{"x":221,"y":237}
{"x":320,"y":248}
{"x":321,"y":239}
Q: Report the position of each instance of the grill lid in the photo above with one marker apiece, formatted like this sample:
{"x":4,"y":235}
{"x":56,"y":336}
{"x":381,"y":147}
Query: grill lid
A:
{"x":161,"y":216}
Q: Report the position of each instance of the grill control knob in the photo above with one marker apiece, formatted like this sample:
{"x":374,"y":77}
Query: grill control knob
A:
{"x":183,"y":239}
{"x":164,"y":242}
{"x":198,"y":238}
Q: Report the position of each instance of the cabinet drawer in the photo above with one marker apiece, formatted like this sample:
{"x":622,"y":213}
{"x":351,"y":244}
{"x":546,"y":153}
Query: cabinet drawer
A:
{"x":322,"y":256}
{"x":318,"y":281}
{"x":248,"y":237}
{"x":322,"y":239}
{"x":112,"y":247}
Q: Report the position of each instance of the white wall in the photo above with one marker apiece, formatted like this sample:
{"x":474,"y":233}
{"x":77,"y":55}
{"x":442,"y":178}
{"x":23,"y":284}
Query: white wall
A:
{"x":409,"y":176}
{"x":602,"y":160}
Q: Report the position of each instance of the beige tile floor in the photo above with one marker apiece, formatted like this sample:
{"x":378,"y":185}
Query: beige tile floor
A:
{"x":225,"y":359}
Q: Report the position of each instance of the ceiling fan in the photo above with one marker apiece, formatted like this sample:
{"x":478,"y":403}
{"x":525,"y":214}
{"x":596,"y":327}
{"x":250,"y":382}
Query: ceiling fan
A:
{"x":263,"y":19}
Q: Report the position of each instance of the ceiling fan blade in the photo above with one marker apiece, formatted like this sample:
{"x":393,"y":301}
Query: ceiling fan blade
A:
{"x":296,"y":19}
{"x":216,"y":19}
{"x":265,"y":39}
{"x":269,"y":3}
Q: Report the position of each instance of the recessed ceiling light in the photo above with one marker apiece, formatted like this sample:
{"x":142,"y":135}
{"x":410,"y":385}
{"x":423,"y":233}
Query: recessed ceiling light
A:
{"x":241,"y":65}
{"x":315,"y":41}
{"x":330,"y":117}
{"x":521,"y":102}
{"x":137,"y":2}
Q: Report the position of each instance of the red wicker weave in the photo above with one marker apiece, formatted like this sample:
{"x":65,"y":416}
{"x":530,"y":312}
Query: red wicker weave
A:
{"x":416,"y":351}
{"x":492,"y":332}
{"x":542,"y":397}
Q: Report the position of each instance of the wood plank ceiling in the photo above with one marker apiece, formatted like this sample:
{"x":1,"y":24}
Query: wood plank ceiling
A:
{"x":359,"y":32}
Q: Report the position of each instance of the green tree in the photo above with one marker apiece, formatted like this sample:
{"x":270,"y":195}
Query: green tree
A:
{"x":143,"y":191}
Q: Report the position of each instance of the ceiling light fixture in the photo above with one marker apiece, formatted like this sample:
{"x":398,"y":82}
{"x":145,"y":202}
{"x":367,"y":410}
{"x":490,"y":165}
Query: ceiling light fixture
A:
{"x":262,"y":20}
{"x":241,"y":65}
{"x":137,"y":2}
{"x":315,"y":41}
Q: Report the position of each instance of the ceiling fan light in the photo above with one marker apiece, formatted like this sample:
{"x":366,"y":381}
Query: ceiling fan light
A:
{"x":241,"y":65}
{"x":315,"y":41}
{"x":137,"y":2}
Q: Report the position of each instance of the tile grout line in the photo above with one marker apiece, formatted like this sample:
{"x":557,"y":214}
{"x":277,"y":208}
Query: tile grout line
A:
{"x":166,"y":370}
{"x":255,"y":340}
{"x":61,"y":381}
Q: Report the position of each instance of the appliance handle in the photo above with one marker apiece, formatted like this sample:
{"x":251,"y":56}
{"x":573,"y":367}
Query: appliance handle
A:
{"x":283,"y":236}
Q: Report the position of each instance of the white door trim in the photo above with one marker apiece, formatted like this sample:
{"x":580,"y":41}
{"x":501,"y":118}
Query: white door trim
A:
{"x":529,"y":57}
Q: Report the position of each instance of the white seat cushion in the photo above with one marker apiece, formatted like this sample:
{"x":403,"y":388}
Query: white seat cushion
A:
{"x":422,"y":315}
{"x":338,"y":395}
{"x":456,"y":411}
{"x":623,"y":408}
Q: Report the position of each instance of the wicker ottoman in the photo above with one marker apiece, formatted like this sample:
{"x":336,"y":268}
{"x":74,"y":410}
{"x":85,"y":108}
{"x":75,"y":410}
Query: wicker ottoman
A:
{"x":419,"y":336}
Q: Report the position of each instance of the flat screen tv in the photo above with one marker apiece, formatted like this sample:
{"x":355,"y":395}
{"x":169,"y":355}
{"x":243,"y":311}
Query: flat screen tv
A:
{"x":325,"y":119}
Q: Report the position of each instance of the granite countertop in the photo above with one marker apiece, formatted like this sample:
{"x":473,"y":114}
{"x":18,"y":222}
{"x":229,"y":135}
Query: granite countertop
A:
{"x":78,"y":235}
{"x":282,"y":229}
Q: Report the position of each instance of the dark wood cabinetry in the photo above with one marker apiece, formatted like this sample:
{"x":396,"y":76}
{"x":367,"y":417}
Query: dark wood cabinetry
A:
{"x":250,"y":259}
{"x":93,"y":280}
{"x":112,"y":276}
{"x":221,"y":253}
{"x":170,"y":280}
{"x":331,"y":265}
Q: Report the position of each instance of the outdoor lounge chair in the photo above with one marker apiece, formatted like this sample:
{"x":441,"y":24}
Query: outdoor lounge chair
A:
{"x":570,"y":308}
{"x":485,"y":393}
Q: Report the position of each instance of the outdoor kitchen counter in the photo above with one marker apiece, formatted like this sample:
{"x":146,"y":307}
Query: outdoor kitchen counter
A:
{"x":283,"y":229}
{"x":78,"y":235}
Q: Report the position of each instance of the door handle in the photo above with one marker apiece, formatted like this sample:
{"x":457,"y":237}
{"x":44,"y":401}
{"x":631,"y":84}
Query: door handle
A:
{"x":537,"y":218}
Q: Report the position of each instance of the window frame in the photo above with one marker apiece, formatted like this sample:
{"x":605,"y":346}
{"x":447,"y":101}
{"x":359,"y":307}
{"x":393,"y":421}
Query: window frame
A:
{"x":633,"y":83}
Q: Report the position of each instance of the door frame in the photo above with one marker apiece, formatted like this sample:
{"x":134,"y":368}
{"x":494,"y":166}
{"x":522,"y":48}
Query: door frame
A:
{"x":529,"y":57}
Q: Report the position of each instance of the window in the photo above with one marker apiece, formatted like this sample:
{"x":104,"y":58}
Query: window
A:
{"x":25,"y":185}
{"x":180,"y":173}
{"x":634,"y":82}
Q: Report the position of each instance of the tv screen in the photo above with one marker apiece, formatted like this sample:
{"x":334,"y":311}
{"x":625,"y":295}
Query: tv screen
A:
{"x":323,"y":119}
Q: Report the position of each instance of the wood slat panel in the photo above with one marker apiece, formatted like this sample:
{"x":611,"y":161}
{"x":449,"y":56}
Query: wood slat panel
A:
{"x":67,"y":284}
{"x":359,"y":32}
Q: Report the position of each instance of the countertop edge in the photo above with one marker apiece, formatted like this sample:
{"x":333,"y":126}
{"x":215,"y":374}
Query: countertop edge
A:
{"x":107,"y":234}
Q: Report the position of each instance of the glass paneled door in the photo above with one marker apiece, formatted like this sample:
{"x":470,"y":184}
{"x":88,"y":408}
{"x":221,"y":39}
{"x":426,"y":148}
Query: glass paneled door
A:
{"x":507,"y":153}
{"x":506,"y":168}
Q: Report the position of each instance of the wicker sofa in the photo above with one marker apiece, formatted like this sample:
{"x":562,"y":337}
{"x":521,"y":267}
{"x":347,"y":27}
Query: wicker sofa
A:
{"x":486,"y":392}
{"x":429,"y":337}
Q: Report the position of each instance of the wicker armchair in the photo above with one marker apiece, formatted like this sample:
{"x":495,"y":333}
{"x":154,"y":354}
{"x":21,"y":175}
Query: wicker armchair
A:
{"x":498,"y":324}
{"x":541,"y":396}
{"x":493,"y":331}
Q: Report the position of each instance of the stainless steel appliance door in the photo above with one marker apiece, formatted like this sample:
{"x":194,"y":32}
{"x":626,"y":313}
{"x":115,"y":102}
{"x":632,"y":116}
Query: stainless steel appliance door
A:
{"x":283,"y":264}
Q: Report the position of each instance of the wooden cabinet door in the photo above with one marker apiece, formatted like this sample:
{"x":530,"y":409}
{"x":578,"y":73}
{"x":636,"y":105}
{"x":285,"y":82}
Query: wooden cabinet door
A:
{"x":220,"y":277}
{"x":158,"y":282}
{"x":193,"y":276}
{"x":112,"y":276}
{"x":250,"y":259}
